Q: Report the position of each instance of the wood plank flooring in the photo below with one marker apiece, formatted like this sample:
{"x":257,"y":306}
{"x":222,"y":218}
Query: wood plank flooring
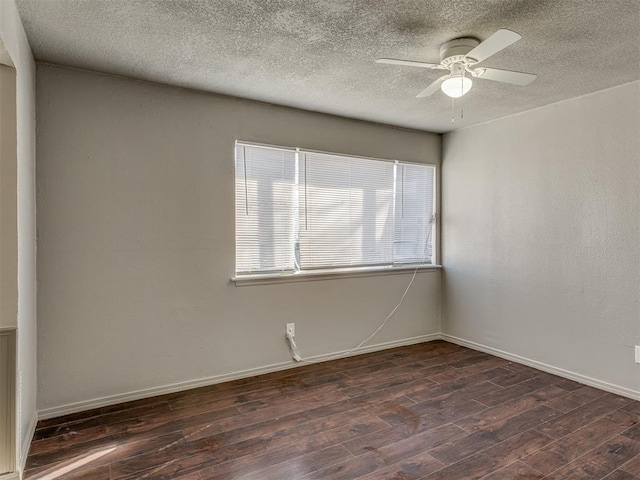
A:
{"x":433,"y":411}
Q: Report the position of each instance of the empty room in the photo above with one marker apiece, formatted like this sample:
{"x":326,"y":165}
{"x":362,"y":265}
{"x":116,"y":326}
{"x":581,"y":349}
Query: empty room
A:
{"x":319,"y":240}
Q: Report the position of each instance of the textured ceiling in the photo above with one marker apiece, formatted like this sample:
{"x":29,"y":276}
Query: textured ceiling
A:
{"x":319,"y":55}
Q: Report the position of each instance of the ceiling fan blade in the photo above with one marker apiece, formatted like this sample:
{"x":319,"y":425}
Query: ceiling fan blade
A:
{"x":433,"y":88}
{"x":506,"y":76}
{"x":492,"y":45}
{"x":409,"y":63}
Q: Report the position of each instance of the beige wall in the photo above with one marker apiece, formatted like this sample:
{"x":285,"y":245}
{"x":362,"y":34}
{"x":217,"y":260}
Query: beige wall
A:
{"x":541,"y":235}
{"x":136,"y":241}
{"x":8,"y":200}
{"x":17,"y":47}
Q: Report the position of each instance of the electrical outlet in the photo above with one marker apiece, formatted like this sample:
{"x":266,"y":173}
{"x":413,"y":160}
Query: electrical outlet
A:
{"x":637,"y":353}
{"x":291,"y":329}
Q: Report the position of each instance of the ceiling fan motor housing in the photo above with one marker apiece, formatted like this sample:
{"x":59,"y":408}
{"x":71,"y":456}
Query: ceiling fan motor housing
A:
{"x":455,"y":50}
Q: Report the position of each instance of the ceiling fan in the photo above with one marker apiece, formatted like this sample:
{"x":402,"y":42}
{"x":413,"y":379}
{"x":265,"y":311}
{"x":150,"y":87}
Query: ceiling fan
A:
{"x":460,"y":56}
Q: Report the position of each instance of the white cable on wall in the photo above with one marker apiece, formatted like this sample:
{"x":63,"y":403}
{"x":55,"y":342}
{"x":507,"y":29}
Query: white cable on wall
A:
{"x":294,"y":346}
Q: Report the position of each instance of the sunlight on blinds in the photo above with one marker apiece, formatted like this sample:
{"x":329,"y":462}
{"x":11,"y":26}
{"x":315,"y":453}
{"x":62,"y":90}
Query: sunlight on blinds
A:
{"x":346,"y":211}
{"x":414,"y":204}
{"x":299,"y":210}
{"x":265,"y":209}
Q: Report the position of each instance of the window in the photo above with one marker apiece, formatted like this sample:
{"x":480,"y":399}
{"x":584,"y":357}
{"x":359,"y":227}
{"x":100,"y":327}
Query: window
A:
{"x":300,"y":211}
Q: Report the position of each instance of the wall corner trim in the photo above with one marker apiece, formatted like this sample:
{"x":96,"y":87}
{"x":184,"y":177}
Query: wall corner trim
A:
{"x":202,"y":382}
{"x":592,"y":382}
{"x":26,"y":442}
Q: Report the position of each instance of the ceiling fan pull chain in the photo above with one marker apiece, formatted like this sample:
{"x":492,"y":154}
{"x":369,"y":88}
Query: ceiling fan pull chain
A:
{"x":453,"y":110}
{"x":462,"y":99}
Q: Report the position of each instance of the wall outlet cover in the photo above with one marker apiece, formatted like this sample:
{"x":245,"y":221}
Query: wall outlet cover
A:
{"x":291,"y":329}
{"x":637,"y":353}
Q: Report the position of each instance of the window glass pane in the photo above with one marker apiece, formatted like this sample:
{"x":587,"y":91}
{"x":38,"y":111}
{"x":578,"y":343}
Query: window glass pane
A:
{"x":265,"y":209}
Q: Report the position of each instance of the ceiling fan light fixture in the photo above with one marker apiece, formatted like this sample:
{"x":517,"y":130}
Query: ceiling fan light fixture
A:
{"x":460,"y":57}
{"x":456,"y":86}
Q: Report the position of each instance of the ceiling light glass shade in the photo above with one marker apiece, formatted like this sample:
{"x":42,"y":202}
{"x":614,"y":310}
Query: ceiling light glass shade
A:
{"x":456,"y":86}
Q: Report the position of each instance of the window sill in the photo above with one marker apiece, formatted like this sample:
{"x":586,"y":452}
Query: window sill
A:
{"x":314,"y":275}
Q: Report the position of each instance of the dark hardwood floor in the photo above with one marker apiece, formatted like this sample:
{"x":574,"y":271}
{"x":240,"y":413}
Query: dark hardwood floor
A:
{"x":428,"y":411}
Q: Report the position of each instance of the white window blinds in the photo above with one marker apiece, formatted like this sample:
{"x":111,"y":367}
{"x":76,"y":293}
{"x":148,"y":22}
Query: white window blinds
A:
{"x":266,"y":209}
{"x":346,"y":211}
{"x":414,"y":209}
{"x":299,"y":210}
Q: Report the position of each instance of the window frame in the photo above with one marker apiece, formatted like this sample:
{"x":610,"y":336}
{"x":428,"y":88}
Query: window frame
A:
{"x":342,"y":272}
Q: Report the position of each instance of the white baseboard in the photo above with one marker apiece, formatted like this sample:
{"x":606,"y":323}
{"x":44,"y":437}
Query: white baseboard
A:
{"x":593,"y":382}
{"x":10,"y":476}
{"x":202,"y":382}
{"x":177,"y":387}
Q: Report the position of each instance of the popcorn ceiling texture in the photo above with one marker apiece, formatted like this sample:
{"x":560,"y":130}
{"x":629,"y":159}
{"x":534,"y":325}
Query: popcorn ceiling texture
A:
{"x":319,"y":55}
